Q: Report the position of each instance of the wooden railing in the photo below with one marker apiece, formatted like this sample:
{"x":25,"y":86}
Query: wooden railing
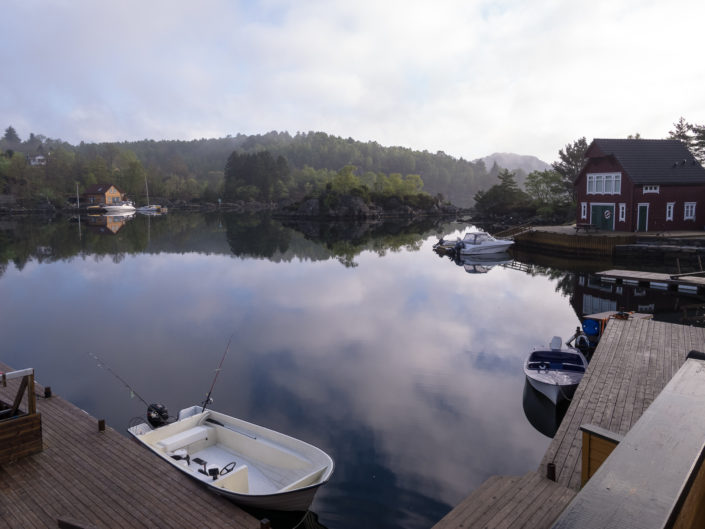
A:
{"x":20,"y":431}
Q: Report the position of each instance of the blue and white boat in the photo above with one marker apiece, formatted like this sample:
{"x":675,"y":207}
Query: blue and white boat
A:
{"x":555,"y":371}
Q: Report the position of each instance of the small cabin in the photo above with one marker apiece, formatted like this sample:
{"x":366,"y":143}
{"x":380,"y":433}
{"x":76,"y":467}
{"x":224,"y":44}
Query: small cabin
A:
{"x":640,"y":185}
{"x":103,"y":194}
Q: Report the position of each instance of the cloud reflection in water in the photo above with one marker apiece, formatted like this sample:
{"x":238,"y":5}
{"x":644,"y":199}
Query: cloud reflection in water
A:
{"x":405,"y":368}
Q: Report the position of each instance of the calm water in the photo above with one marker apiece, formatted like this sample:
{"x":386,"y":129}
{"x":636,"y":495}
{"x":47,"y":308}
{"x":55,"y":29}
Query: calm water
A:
{"x":360,"y":340}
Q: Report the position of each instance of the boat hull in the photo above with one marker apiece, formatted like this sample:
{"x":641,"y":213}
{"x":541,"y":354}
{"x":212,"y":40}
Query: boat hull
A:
{"x":269,"y":471}
{"x":555,"y":392}
{"x":555,"y":372}
{"x":497,"y":248}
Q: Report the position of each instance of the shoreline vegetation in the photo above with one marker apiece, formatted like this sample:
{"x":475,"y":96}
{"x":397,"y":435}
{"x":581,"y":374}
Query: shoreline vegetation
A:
{"x":306,"y":175}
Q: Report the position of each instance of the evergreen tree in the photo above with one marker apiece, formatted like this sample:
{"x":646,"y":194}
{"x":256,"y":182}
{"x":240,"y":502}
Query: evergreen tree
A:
{"x":681,"y":131}
{"x":11,"y":135}
{"x":571,"y":162}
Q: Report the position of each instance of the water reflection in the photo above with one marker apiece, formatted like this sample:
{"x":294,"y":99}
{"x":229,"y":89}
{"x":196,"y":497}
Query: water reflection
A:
{"x":543,"y":414}
{"x":355,"y":339}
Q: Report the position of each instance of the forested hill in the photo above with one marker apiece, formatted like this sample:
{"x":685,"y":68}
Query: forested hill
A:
{"x":51,"y":169}
{"x":456,"y":179}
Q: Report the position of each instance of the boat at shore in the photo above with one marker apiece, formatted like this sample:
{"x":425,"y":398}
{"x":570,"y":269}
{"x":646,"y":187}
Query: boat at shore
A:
{"x":125,"y":206}
{"x":251,"y":465}
{"x":555,"y":371}
{"x":474,"y":242}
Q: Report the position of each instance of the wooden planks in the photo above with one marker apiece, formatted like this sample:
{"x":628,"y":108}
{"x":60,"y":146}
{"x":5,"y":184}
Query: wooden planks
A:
{"x":632,"y":364}
{"x":529,"y":501}
{"x":654,"y":477}
{"x":102,"y":479}
{"x":20,"y":437}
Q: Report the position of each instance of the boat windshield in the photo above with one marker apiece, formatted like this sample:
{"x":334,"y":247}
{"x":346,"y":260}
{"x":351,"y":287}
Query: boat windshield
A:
{"x":477,"y":238}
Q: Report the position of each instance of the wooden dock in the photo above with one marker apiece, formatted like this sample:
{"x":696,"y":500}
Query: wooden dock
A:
{"x":693,"y":283}
{"x":566,"y":240}
{"x":88,"y":478}
{"x":633,"y":362}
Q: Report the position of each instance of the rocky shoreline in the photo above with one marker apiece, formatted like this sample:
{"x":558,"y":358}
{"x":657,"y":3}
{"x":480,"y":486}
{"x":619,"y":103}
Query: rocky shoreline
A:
{"x":346,"y":207}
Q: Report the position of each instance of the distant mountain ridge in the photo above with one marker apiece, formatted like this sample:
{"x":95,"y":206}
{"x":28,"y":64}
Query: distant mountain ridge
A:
{"x":513,"y":162}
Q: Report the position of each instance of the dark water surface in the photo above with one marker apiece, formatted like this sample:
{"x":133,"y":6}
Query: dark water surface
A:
{"x":358,"y":339}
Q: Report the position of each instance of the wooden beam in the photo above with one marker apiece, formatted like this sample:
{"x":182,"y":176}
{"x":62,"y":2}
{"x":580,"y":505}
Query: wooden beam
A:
{"x":18,"y":397}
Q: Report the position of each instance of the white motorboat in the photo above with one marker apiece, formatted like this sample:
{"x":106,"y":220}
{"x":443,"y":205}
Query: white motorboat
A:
{"x":252,"y":465}
{"x":480,"y":242}
{"x":555,"y":372}
{"x":474,"y":242}
{"x":118,"y":207}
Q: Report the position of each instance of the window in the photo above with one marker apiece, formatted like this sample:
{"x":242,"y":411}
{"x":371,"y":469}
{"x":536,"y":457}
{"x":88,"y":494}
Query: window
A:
{"x":622,"y":212}
{"x":583,"y":210}
{"x":651,"y":189}
{"x":669,"y":210}
{"x":604,"y":183}
{"x":689,"y":211}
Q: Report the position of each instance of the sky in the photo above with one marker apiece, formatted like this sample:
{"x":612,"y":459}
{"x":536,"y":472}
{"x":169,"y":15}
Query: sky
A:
{"x":466,"y":77}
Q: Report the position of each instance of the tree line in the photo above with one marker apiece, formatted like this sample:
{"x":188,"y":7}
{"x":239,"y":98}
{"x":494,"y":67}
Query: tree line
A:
{"x":195,"y":170}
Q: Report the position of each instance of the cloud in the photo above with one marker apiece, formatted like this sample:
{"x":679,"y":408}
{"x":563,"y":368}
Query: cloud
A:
{"x":468,"y":78}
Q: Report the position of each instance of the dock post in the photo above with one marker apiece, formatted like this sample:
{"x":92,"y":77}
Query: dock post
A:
{"x":551,"y":471}
{"x":264,"y":523}
{"x":101,"y":425}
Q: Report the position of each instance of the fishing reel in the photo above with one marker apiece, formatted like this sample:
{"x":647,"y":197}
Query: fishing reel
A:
{"x":157,"y":415}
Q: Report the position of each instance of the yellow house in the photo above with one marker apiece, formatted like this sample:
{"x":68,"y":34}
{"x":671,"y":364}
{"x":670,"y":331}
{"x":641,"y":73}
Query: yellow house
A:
{"x":103,"y":194}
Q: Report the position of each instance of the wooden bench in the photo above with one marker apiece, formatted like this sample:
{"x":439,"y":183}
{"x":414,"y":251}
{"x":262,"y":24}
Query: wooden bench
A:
{"x":585,"y":226}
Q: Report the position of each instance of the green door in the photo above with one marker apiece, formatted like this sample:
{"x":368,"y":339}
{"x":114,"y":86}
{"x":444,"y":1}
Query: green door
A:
{"x":602,"y":217}
{"x":642,"y":217}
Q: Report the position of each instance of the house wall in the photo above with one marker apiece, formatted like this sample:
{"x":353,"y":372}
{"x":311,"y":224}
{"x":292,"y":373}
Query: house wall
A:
{"x":604,"y":165}
{"x":110,"y":196}
{"x":632,"y":195}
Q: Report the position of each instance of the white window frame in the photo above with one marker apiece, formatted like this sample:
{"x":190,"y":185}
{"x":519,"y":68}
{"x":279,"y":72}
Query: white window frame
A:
{"x":687,"y":213}
{"x":670,"y":208}
{"x":651,"y":189}
{"x":622,"y":212}
{"x":604,"y":184}
{"x":583,"y":210}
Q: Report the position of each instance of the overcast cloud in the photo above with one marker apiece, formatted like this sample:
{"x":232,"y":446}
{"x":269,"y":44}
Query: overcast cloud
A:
{"x":466,"y":77}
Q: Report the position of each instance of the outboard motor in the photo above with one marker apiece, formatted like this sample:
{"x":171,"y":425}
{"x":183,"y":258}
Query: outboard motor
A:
{"x":157,"y":415}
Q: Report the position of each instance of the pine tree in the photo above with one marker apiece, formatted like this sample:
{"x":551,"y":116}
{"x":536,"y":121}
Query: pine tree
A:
{"x":11,"y":135}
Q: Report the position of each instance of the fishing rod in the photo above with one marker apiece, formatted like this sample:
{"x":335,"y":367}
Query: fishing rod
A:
{"x":217,"y":371}
{"x":102,"y":364}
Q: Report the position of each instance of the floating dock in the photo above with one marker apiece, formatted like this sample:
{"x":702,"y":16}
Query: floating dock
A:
{"x":87,"y":478}
{"x":690,"y":283}
{"x":632,"y":364}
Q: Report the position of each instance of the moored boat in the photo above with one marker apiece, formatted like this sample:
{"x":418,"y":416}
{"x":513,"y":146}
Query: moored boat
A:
{"x":556,"y":371}
{"x":252,"y":465}
{"x":118,"y":207}
{"x":474,"y":242}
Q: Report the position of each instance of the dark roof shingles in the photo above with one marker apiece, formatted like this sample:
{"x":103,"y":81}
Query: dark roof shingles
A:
{"x":652,"y":161}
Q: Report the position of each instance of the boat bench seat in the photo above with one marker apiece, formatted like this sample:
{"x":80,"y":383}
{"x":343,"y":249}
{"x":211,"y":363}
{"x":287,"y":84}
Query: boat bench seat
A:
{"x":182,"y":439}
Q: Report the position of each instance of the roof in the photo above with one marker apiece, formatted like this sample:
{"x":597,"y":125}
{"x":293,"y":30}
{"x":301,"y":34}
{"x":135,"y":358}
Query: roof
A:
{"x":651,"y":161}
{"x":96,"y":189}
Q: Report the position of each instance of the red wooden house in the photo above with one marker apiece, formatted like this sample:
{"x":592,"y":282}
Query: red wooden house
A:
{"x":641,"y":185}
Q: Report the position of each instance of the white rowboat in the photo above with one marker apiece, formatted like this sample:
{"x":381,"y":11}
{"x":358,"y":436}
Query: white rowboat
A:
{"x":555,"y":372}
{"x":252,"y":465}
